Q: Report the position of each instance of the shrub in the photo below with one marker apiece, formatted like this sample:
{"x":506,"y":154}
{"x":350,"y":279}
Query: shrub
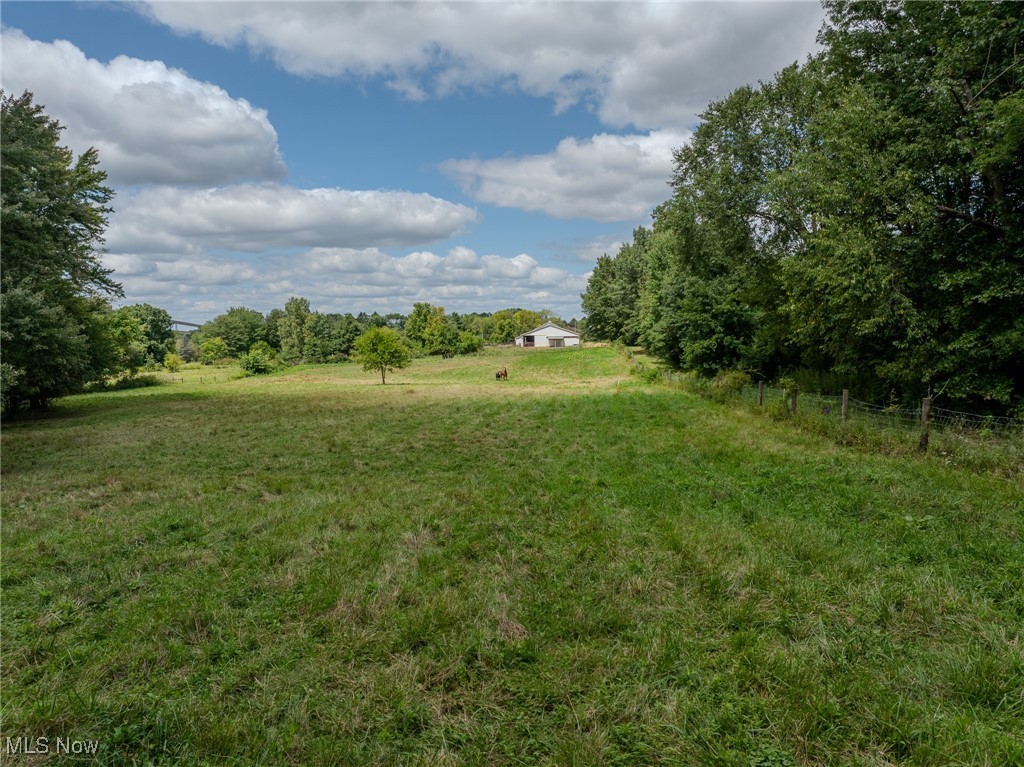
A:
{"x":123,"y":383}
{"x":173,"y":362}
{"x":259,"y":360}
{"x":213,"y":350}
{"x":469,"y":343}
{"x":728,"y":383}
{"x":645,"y":372}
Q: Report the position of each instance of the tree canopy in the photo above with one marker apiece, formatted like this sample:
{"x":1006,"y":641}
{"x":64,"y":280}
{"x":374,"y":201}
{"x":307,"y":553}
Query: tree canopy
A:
{"x":53,"y":287}
{"x":858,"y":215}
{"x":239,"y":327}
{"x":156,"y":327}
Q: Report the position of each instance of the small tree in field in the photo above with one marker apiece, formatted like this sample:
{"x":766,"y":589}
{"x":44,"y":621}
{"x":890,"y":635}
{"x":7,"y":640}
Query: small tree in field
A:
{"x":382,"y":349}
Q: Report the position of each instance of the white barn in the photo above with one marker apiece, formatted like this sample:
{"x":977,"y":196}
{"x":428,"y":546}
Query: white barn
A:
{"x":548,"y":335}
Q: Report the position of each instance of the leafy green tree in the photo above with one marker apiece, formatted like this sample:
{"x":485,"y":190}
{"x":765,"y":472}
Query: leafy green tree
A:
{"x":857,"y":217}
{"x":118,"y":341}
{"x":943,"y":83}
{"x":272,"y":332}
{"x":469,"y":342}
{"x":240,"y":328}
{"x":377,"y":320}
{"x":319,"y":345}
{"x":526,"y":319}
{"x":503,"y":328}
{"x":54,"y":209}
{"x":704,"y":327}
{"x":345,"y":332}
{"x":383,"y":350}
{"x":45,"y":352}
{"x":329,"y":337}
{"x":416,"y":323}
{"x":213,"y":350}
{"x":156,"y":327}
{"x":442,"y":338}
{"x":613,"y":292}
{"x":67,"y":348}
{"x":292,"y":329}
{"x":481,"y":325}
{"x":424,"y":321}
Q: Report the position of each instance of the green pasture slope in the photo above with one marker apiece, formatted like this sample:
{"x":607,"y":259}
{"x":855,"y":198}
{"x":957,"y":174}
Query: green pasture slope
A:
{"x":568,"y":568}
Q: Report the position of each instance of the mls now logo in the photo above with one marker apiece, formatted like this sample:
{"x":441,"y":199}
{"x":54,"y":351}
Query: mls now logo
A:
{"x":26,"y":745}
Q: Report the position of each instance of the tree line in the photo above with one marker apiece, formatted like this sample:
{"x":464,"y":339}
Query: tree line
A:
{"x":297,"y":334}
{"x":856,"y":222}
{"x":59,"y":332}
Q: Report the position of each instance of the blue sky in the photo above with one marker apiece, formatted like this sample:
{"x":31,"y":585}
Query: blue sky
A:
{"x":370,"y":155}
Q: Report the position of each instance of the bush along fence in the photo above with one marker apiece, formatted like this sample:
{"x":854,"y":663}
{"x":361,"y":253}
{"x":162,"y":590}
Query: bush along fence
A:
{"x":844,"y":409}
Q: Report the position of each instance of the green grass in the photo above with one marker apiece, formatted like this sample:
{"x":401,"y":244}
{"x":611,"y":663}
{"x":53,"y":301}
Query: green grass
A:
{"x":570,"y":567}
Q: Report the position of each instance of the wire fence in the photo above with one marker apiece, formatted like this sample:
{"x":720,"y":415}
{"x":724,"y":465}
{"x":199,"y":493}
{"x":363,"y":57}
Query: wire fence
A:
{"x":204,"y":379}
{"x":893,"y":416}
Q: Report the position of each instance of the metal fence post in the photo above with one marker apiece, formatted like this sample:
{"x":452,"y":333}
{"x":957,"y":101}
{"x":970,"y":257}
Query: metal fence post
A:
{"x":792,"y":400}
{"x":846,"y":405}
{"x":760,"y":393}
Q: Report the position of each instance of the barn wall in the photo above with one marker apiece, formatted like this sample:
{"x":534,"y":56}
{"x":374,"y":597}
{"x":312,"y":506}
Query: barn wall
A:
{"x":542,"y":338}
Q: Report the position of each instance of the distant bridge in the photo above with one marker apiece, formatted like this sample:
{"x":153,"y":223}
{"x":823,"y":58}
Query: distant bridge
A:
{"x":186,"y":324}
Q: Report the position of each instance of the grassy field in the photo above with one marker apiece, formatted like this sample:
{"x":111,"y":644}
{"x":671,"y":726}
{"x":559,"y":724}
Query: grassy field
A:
{"x":568,"y":568}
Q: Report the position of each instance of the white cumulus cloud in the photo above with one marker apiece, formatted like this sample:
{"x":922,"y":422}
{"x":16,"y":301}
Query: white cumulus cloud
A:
{"x":588,"y":251}
{"x":262,"y":217}
{"x":461,"y":280}
{"x":604,"y":178}
{"x":150,"y":123}
{"x":651,"y":65}
{"x":196,"y":287}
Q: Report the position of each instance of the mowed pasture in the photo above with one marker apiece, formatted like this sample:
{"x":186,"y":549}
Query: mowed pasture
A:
{"x":568,"y":568}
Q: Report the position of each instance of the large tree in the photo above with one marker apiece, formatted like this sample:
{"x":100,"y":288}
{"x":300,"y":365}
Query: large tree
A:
{"x":424,"y":321}
{"x":156,"y":326}
{"x":329,"y":337}
{"x":238,"y":326}
{"x":54,"y":208}
{"x":613,"y":292}
{"x":940,"y":100}
{"x":292,"y":329}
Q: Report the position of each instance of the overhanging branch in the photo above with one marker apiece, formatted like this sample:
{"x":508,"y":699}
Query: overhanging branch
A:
{"x":954,"y":213}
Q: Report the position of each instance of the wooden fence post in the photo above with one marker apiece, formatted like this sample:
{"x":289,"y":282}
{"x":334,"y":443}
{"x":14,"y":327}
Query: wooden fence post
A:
{"x":926,"y":412}
{"x":792,"y":400}
{"x":846,"y":405}
{"x":760,"y":393}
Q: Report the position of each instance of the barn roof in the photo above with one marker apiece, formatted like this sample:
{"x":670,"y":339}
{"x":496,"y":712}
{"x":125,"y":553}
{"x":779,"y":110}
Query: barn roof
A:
{"x":548,"y":325}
